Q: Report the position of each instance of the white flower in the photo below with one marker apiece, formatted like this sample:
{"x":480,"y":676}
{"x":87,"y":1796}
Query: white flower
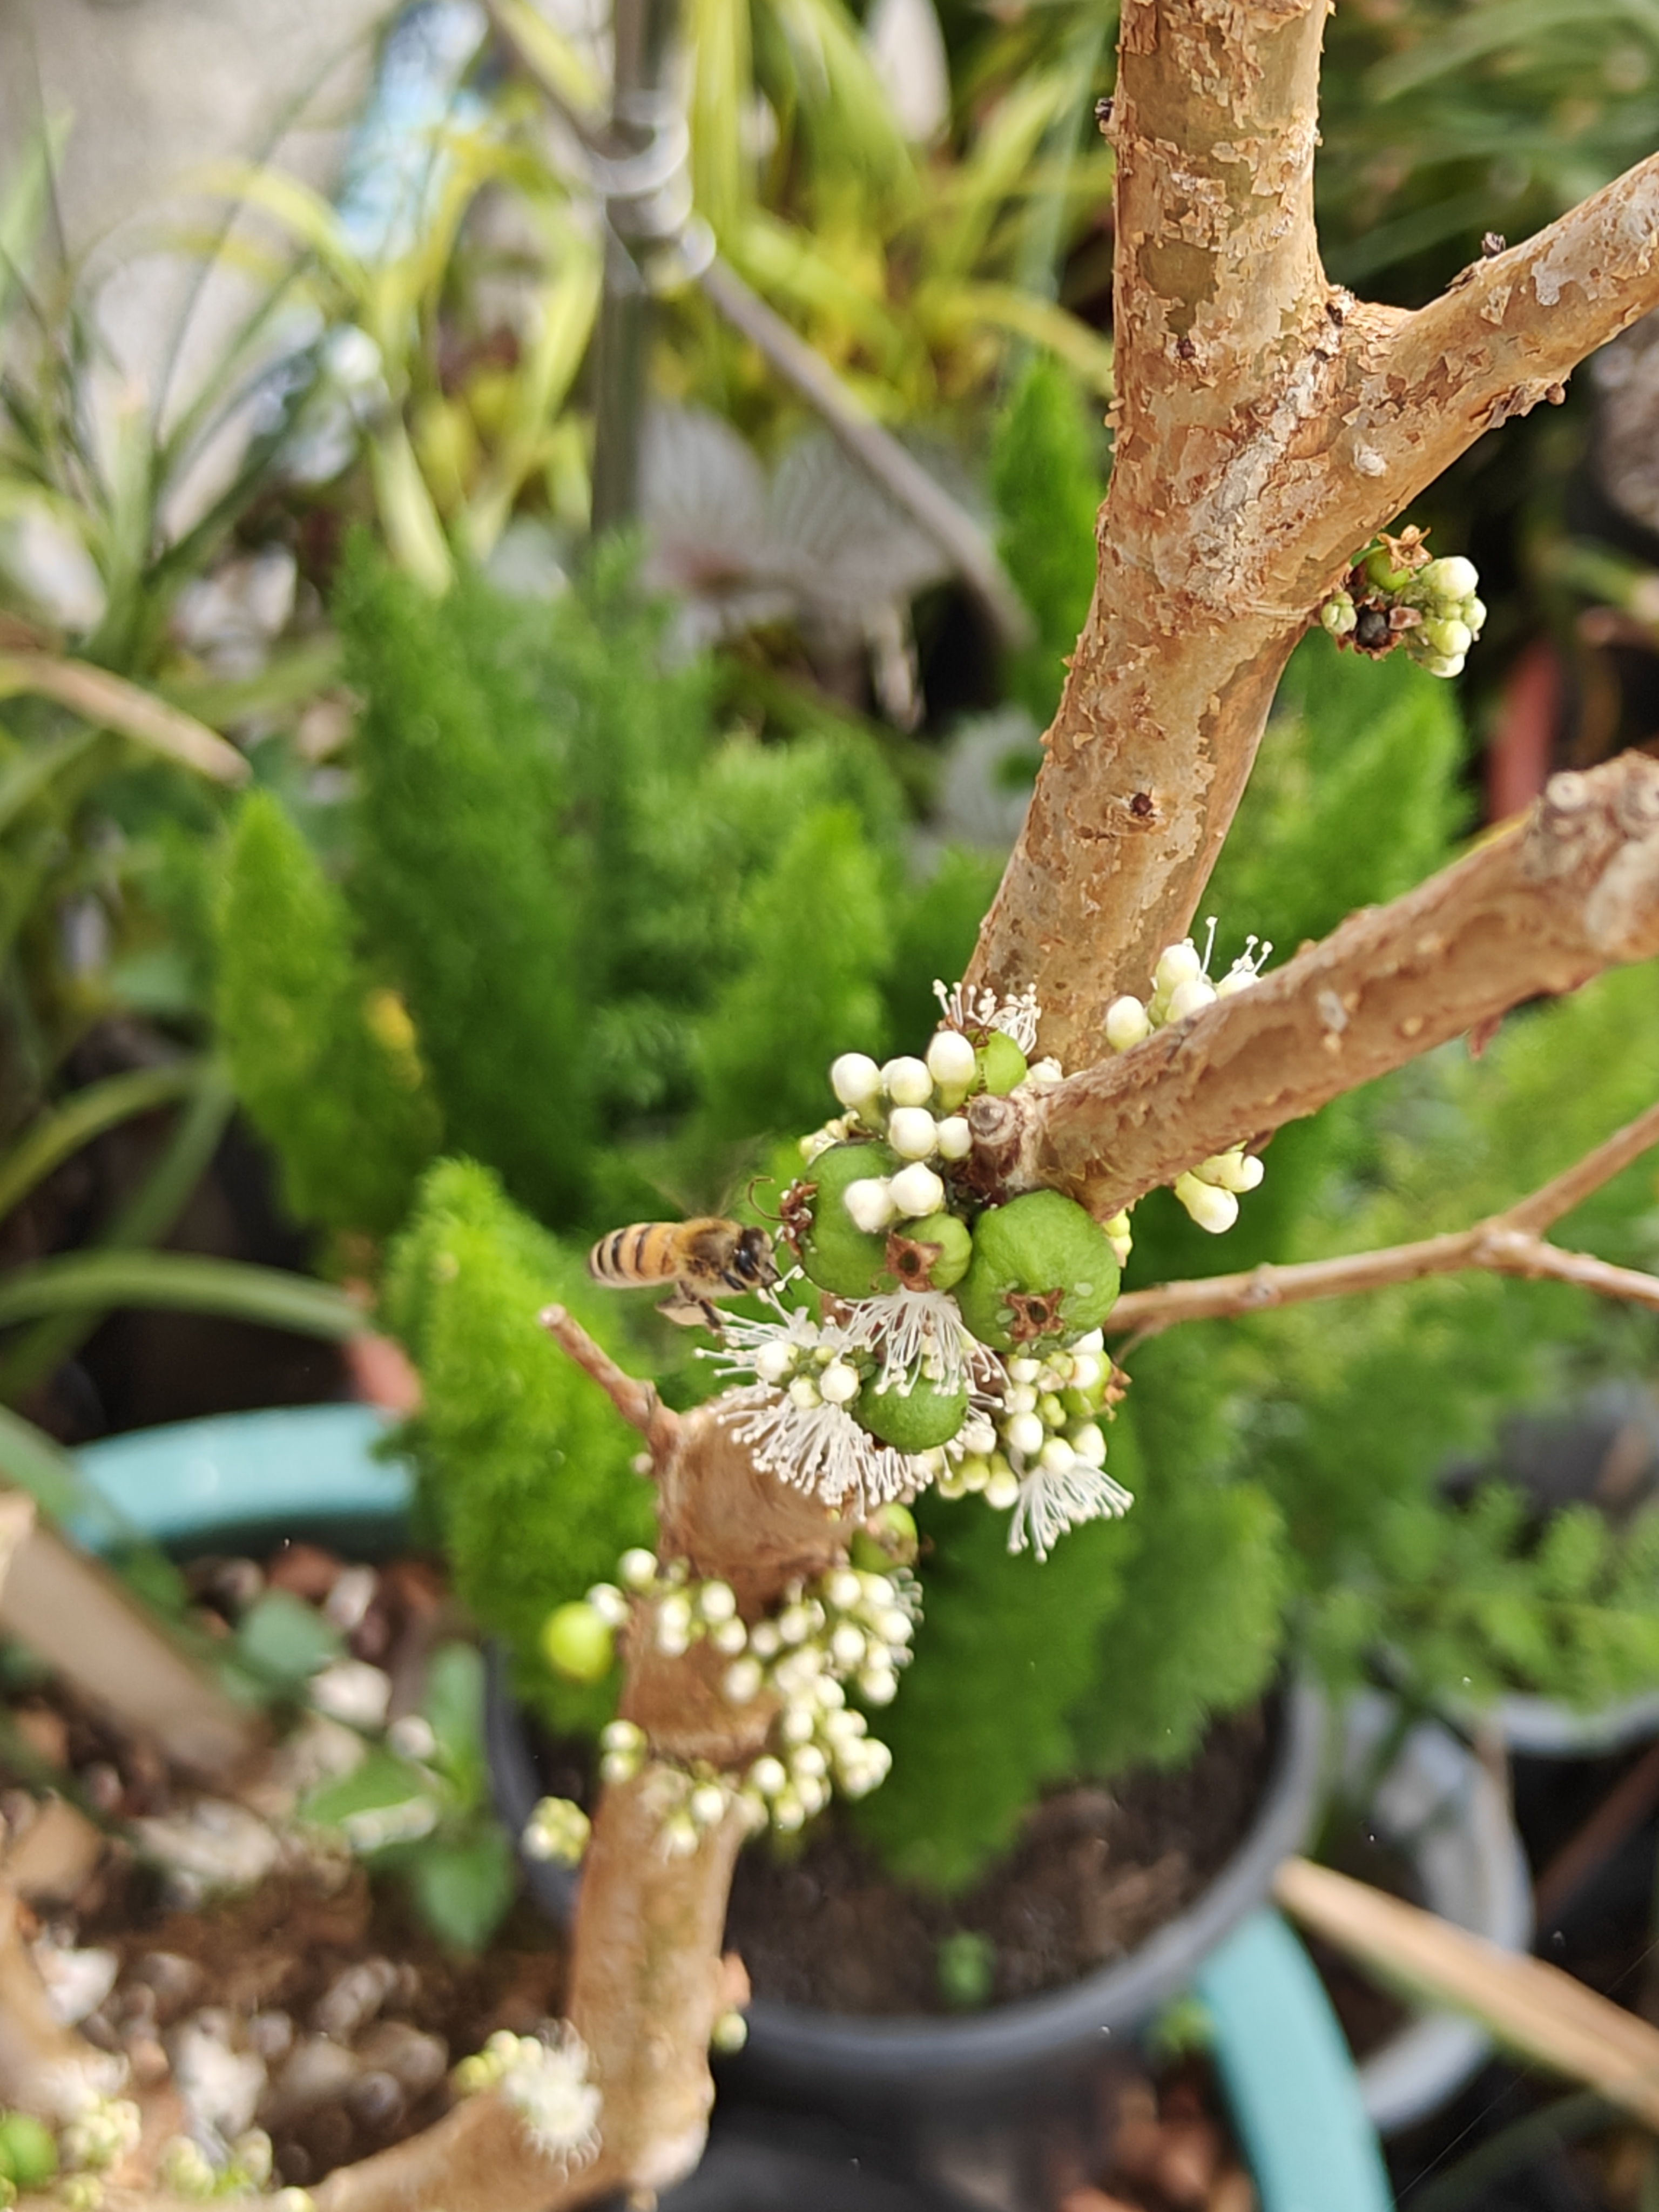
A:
{"x":1016,"y":1017}
{"x":919,"y":1332}
{"x":1050,"y":1503}
{"x":547,"y":2084}
{"x":821,"y":1449}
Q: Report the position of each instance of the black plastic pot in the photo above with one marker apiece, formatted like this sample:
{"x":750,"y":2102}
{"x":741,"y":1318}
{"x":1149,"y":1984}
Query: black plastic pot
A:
{"x":841,"y":2062}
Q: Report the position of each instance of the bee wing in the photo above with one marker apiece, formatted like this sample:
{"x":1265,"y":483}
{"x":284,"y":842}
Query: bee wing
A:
{"x":688,"y":1311}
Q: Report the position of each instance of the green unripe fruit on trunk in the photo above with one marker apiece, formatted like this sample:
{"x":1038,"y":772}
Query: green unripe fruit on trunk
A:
{"x":914,"y":1421}
{"x":28,"y":2150}
{"x":1382,"y":572}
{"x":837,"y":1254}
{"x":578,"y":1643}
{"x":932,"y":1254}
{"x":1043,"y":1272}
{"x":1002,"y":1065}
{"x":888,"y":1540}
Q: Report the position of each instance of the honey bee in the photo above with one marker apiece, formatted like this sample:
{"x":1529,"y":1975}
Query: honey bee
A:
{"x":703,"y":1259}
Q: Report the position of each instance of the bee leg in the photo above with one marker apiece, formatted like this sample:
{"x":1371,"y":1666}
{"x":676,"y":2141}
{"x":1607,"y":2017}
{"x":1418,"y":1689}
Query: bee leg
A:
{"x":687,"y":1311}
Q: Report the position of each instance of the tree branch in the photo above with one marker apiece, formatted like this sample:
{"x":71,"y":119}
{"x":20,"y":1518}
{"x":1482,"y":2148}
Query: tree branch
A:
{"x":1537,"y":910}
{"x":1267,"y":425}
{"x":1507,"y":1243}
{"x":636,"y":1401}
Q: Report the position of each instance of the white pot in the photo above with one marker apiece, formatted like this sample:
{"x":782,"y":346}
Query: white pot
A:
{"x":1440,"y":1807}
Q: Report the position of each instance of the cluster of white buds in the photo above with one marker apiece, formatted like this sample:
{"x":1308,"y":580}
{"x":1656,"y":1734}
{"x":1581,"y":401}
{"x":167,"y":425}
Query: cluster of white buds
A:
{"x":557,"y":1830}
{"x":849,"y":1626}
{"x":1042,"y":1450}
{"x":578,"y":1640}
{"x":544,"y":2078}
{"x":1393,"y":594}
{"x":1181,"y":988}
{"x":915,"y":1105}
{"x":187,"y":2169}
{"x":100,"y":2133}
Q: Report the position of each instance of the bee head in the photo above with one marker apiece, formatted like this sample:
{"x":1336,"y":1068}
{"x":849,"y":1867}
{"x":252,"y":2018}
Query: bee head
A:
{"x":753,"y":1259}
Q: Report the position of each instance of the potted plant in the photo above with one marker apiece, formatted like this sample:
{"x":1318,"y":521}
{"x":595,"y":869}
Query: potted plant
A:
{"x":1231,"y":521}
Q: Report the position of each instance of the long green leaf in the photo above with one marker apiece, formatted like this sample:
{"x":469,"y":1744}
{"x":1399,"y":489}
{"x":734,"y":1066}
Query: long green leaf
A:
{"x":110,"y":702}
{"x":179,"y":1282}
{"x":86,"y":1115}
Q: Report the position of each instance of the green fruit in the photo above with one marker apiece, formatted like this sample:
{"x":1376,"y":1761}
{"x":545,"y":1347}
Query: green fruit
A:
{"x":837,"y":1254}
{"x":914,"y":1421}
{"x":931,"y":1254}
{"x":578,"y":1643}
{"x":1002,"y":1065}
{"x":887,"y":1539}
{"x":1382,"y":572}
{"x":1043,"y":1272}
{"x":28,"y":2151}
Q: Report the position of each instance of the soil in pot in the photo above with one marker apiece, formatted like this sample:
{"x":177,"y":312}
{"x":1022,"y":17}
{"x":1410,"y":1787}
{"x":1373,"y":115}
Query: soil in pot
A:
{"x":1095,"y":1871}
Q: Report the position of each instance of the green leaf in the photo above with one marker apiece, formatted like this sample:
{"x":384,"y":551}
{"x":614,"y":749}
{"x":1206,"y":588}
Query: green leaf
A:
{"x":85,"y":1114}
{"x":463,"y":1889}
{"x":181,"y":1281}
{"x":380,"y":1783}
{"x":281,"y":1637}
{"x":453,"y":1706}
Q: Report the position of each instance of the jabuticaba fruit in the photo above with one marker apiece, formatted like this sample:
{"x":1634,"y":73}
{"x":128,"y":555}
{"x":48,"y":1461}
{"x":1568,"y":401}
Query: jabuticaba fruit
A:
{"x":1002,"y":1065}
{"x":837,"y":1254}
{"x":930,"y":1255}
{"x":1042,"y":1273}
{"x":914,"y":1420}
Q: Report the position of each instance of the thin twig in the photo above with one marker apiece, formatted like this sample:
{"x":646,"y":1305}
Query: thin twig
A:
{"x":636,"y":1401}
{"x":1505,"y":1243}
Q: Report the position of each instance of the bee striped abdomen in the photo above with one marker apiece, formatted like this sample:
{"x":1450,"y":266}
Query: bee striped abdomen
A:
{"x":645,"y":1252}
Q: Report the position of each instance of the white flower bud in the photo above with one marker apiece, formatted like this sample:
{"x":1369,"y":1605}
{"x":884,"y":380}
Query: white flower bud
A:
{"x":764,"y":1641}
{"x":1474,"y":613}
{"x":878,"y":1589}
{"x":808,"y":1761}
{"x":1088,"y":1441}
{"x":894,"y":1627}
{"x":1002,"y":1490}
{"x":797,"y":1723}
{"x":742,"y":1682}
{"x":1126,"y":1022}
{"x":912,"y":1132}
{"x":608,"y":1602}
{"x":1057,"y":1456}
{"x":679,"y":1836}
{"x":827,"y":1695}
{"x":1025,"y":1370}
{"x":775,"y":1360}
{"x":879,"y":1685}
{"x":619,"y":1766}
{"x":707,"y":1804}
{"x":1452,"y":578}
{"x":1088,"y":1369}
{"x":814,"y":1794}
{"x":637,"y":1569}
{"x":978,"y":1435}
{"x":1024,"y":1433}
{"x":855,"y":1079}
{"x":1094,"y":1341}
{"x":622,"y":1736}
{"x":972,"y":1475}
{"x":768,"y":1776}
{"x":794,"y":1623}
{"x":717,"y":1601}
{"x":788,"y":1812}
{"x":843,"y":1589}
{"x":907,"y":1082}
{"x":1177,"y":964}
{"x":1043,"y":1075}
{"x":820,"y":1141}
{"x":847,"y":1646}
{"x":1449,"y":635}
{"x":950,"y":1061}
{"x":803,"y":1393}
{"x":1191,"y":997}
{"x":1021,"y":1399}
{"x":845,"y":1727}
{"x":675,"y":1611}
{"x":1443,"y":663}
{"x":1212,"y":1209}
{"x":1236,"y":980}
{"x":878,"y":1758}
{"x":839,"y":1384}
{"x":870,"y":1203}
{"x":915,"y":1191}
{"x":729,"y":2034}
{"x":954,"y":1137}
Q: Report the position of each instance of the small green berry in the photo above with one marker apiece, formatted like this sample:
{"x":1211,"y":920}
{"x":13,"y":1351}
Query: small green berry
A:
{"x":932,"y":1254}
{"x":913,"y":1421}
{"x":578,"y":1643}
{"x":1043,"y":1272}
{"x":1002,"y":1065}
{"x":837,"y":1254}
{"x":28,"y":2150}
